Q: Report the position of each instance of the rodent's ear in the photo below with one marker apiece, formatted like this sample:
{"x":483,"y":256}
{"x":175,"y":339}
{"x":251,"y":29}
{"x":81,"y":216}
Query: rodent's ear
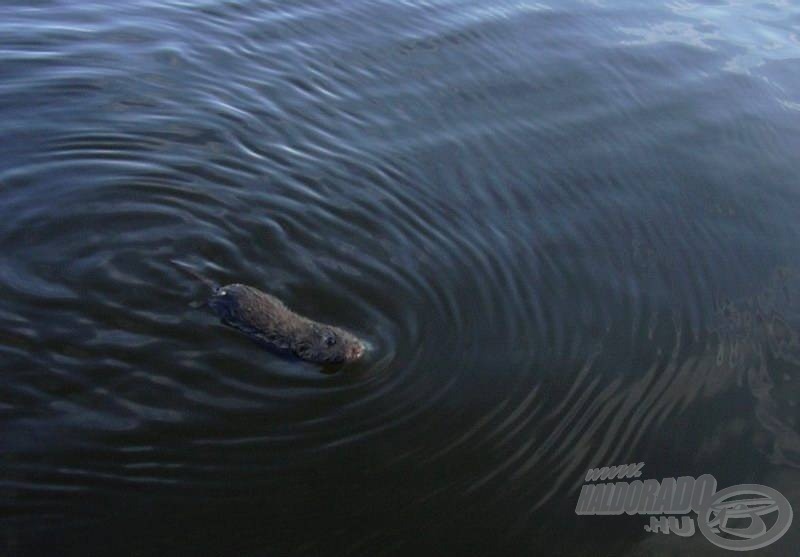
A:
{"x":303,"y":349}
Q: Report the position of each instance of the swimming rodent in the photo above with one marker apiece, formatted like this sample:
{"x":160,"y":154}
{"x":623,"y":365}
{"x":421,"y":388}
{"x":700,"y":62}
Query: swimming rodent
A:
{"x":266,"y":319}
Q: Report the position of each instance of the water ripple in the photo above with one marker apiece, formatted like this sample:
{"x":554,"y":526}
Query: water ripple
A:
{"x":558,"y":227}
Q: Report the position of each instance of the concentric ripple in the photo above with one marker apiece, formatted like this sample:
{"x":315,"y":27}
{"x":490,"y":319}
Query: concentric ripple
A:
{"x":568,"y":232}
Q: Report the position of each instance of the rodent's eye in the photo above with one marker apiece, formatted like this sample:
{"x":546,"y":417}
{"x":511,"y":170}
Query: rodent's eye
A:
{"x":330,"y":340}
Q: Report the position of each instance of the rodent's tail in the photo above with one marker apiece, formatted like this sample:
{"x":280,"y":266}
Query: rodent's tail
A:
{"x":205,"y":280}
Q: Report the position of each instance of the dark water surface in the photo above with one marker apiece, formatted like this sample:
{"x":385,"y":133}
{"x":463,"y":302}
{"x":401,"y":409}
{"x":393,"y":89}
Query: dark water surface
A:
{"x":569,"y":230}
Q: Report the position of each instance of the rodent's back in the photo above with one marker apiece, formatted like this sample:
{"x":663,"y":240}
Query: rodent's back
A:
{"x":263,"y":310}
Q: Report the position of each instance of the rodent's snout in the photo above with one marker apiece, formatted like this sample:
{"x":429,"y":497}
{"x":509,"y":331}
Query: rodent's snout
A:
{"x":356,"y":351}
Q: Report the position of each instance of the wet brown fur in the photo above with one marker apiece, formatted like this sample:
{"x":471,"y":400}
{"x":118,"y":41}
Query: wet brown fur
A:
{"x":269,"y":321}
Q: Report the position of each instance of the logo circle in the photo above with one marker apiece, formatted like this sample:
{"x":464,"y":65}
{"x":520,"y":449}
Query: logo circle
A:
{"x":759,"y":500}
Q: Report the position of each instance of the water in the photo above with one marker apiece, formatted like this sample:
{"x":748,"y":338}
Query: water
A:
{"x":568,"y":229}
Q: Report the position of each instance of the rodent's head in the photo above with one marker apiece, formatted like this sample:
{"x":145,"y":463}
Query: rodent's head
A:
{"x":329,"y":345}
